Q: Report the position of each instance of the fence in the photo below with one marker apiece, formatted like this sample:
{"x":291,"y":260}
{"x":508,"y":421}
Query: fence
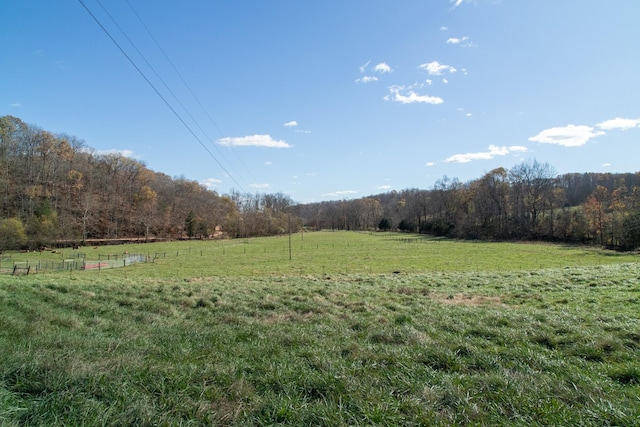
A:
{"x":78,"y":263}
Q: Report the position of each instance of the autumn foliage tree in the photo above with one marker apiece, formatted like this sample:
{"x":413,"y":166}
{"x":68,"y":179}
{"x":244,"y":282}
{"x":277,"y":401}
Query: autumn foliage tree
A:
{"x":595,"y":211}
{"x":528,"y":202}
{"x":55,"y":190}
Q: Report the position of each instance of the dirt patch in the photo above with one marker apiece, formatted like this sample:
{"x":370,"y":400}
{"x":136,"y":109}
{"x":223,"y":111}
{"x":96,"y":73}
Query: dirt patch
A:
{"x":469,"y":300}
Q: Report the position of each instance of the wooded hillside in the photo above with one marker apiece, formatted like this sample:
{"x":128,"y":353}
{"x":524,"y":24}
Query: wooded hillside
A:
{"x":528,"y":202}
{"x":56,"y":189}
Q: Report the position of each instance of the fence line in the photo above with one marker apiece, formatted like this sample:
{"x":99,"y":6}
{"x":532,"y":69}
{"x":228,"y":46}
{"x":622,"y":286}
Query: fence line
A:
{"x":78,"y":263}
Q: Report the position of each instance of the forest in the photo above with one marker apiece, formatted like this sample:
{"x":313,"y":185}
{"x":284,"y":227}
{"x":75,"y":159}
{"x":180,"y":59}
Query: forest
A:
{"x":529,"y":202}
{"x":55,"y":190}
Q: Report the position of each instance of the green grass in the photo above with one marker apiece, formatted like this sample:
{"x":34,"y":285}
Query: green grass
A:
{"x":332,"y":253}
{"x":465,"y":333}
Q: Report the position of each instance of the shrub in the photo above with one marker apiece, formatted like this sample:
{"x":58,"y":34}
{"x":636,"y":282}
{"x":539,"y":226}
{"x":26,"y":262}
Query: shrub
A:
{"x":12,"y":234}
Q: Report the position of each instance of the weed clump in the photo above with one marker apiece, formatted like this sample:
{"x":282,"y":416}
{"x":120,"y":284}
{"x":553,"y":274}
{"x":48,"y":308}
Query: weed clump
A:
{"x":626,"y":374}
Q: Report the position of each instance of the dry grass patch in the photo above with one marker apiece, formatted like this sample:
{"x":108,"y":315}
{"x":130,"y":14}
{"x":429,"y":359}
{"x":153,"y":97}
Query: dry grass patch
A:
{"x":469,"y":300}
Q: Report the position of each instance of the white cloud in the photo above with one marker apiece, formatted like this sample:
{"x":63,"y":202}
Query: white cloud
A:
{"x":457,"y":3}
{"x":436,"y":69}
{"x":367,"y":79}
{"x":123,"y":153}
{"x":267,"y":163}
{"x":383,"y":67}
{"x":363,"y":68}
{"x":605,"y":165}
{"x":430,"y":164}
{"x":259,"y":186}
{"x":486,"y":155}
{"x":445,"y":81}
{"x":567,"y":136}
{"x":15,"y":105}
{"x":211,"y":183}
{"x":292,"y":123}
{"x":461,"y":41}
{"x":619,"y":123}
{"x":457,"y":40}
{"x":410,"y":97}
{"x":443,"y":28}
{"x":253,"y":141}
{"x":383,"y":187}
{"x":340,"y":193}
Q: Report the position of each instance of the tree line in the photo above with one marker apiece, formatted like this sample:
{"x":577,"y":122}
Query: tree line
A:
{"x":527,"y":202}
{"x":54,"y":189}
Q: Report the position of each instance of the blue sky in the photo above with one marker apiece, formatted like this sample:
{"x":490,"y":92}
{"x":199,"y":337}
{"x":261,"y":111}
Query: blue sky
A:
{"x":334,"y":99}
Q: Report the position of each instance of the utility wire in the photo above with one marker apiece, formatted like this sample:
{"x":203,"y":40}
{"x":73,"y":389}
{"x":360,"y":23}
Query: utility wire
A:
{"x":159,"y":94}
{"x":189,"y":88}
{"x":162,"y":80}
{"x":165,"y":84}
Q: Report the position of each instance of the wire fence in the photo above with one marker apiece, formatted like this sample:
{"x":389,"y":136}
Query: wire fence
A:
{"x":79,"y":262}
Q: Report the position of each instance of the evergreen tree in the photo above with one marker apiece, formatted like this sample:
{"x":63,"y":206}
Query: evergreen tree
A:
{"x":190,"y":224}
{"x":385,"y":224}
{"x":406,"y":225}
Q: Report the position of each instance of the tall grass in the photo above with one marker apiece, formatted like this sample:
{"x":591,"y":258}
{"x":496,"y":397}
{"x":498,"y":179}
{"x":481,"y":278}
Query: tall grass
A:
{"x":177,"y":342}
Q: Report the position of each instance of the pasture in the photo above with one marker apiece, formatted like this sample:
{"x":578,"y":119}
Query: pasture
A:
{"x":355,"y":329}
{"x":325,"y":253}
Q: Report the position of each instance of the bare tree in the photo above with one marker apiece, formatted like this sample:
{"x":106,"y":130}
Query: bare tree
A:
{"x":531,"y":184}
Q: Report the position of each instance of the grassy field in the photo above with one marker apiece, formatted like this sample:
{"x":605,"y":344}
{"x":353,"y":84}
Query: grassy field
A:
{"x":355,"y":329}
{"x":330,"y":253}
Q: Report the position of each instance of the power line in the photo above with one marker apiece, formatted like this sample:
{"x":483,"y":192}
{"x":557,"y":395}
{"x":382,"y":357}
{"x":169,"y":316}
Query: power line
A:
{"x":165,"y":84}
{"x":188,"y":88}
{"x":175,"y":113}
{"x":160,"y":78}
